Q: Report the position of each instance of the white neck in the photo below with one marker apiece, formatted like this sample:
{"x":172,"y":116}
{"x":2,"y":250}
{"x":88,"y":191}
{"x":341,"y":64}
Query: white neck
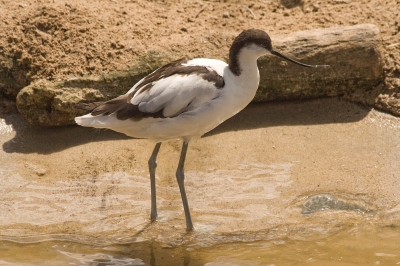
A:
{"x":249,"y":77}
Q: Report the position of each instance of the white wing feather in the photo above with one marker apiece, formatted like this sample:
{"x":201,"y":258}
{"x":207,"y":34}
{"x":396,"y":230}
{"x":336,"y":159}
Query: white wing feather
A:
{"x":175,"y":94}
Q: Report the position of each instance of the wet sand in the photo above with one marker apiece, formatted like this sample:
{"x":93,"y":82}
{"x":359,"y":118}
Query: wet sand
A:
{"x":247,"y":180}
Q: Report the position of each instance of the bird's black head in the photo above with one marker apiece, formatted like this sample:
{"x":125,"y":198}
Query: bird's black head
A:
{"x":245,"y":39}
{"x":252,"y":36}
{"x":258,"y":38}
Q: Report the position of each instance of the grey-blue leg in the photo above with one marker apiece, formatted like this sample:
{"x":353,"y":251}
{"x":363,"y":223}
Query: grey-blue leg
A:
{"x":180,"y":176}
{"x":152,"y":169}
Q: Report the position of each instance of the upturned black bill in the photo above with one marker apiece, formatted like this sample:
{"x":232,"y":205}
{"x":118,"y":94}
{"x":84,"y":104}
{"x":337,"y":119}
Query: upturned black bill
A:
{"x":296,"y":62}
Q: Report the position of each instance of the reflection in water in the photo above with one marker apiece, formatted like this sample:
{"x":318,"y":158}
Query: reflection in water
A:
{"x":101,"y":259}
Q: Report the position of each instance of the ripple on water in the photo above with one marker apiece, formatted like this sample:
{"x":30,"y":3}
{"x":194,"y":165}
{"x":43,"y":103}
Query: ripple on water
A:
{"x":114,"y":207}
{"x":243,"y":203}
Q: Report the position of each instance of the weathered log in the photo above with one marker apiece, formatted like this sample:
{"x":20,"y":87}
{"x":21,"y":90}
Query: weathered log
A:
{"x":354,"y":53}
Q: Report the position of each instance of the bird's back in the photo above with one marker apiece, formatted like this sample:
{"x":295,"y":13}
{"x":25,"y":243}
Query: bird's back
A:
{"x":172,"y":102}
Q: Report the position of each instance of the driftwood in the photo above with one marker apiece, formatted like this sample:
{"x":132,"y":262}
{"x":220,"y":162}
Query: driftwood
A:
{"x":354,"y":54}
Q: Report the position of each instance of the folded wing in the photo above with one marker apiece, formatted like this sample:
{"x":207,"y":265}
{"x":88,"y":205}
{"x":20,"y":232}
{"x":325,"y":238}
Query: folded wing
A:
{"x":167,"y":92}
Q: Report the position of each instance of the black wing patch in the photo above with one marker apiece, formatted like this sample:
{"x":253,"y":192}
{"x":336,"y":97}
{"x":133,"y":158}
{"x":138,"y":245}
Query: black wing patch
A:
{"x":122,"y":105}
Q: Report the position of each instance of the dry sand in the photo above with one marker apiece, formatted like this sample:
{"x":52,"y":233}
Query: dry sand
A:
{"x":65,"y":39}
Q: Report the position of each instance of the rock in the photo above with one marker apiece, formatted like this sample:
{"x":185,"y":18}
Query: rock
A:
{"x":39,"y":171}
{"x":51,"y":103}
{"x":323,"y":202}
{"x":10,"y":79}
{"x":354,"y":53}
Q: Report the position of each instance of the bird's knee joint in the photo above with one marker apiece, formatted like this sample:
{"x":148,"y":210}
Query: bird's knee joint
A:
{"x":180,"y":175}
{"x":152,"y":163}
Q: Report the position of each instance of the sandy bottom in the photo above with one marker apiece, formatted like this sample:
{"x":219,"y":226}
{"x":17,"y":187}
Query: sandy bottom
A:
{"x":246,"y":181}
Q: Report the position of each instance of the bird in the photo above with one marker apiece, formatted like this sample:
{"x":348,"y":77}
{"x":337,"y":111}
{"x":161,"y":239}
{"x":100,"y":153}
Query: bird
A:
{"x":184,"y":100}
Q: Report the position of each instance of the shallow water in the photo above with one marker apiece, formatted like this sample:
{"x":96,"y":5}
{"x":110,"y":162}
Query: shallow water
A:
{"x":353,"y":245}
{"x":312,"y":182}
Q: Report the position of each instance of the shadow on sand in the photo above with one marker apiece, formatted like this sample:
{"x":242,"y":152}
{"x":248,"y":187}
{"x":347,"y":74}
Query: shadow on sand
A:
{"x":46,"y":140}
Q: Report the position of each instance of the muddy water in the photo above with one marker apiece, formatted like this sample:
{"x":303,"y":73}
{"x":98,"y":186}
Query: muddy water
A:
{"x":352,"y":246}
{"x":285,"y":183}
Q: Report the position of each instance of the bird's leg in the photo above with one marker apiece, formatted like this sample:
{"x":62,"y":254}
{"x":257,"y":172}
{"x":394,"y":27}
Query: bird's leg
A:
{"x":180,"y":176}
{"x":152,"y":169}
